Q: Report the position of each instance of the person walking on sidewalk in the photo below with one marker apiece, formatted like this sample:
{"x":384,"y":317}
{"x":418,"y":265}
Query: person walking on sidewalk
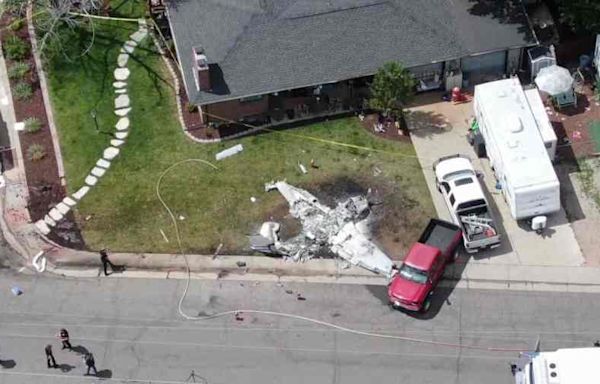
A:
{"x":106,"y":262}
{"x":88,"y":359}
{"x":50,"y":357}
{"x":63,"y":334}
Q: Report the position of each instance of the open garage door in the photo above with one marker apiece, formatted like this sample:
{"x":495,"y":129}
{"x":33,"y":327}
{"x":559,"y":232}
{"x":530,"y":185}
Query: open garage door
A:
{"x":482,"y":68}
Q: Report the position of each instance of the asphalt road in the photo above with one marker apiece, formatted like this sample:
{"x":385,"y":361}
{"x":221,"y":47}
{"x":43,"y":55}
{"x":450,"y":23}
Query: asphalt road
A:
{"x":133,"y":329}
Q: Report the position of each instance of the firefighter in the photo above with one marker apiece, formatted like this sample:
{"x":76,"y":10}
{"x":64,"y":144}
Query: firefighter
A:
{"x":63,"y":334}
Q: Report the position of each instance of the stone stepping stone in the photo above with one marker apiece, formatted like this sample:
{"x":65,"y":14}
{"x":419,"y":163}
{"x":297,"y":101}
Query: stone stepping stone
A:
{"x":131,"y":43}
{"x":42,"y":227}
{"x":138,"y":35}
{"x":116,"y":142}
{"x":127,"y":49}
{"x":122,"y":124}
{"x":48,"y":220}
{"x":103,"y":163}
{"x":122,"y":59}
{"x":122,"y":74}
{"x":81,"y":192}
{"x":91,"y":180}
{"x":121,"y":135}
{"x":70,"y":202}
{"x":121,"y":101}
{"x":121,"y":91}
{"x":55,"y":214}
{"x":110,"y":153}
{"x":122,"y":112}
{"x":63,"y":208}
{"x":98,"y":172}
{"x":119,"y":84}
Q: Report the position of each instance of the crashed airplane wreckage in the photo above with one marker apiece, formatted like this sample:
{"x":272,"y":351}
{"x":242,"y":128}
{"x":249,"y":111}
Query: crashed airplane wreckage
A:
{"x":342,"y":229}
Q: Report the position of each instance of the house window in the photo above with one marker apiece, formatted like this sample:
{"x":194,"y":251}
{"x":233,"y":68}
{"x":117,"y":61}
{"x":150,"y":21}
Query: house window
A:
{"x":251,"y":99}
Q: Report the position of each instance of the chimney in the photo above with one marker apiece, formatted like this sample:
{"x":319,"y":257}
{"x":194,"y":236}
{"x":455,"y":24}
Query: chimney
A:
{"x":201,"y":72}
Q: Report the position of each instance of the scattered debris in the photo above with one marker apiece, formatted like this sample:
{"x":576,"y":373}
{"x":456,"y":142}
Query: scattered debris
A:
{"x":289,"y":291}
{"x":163,"y":235}
{"x":253,"y":199}
{"x":301,"y":298}
{"x":16,"y":291}
{"x":181,"y":217}
{"x":376,"y":171}
{"x":313,"y":164}
{"x":241,"y":264}
{"x":238,"y":316}
{"x":302,"y":168}
{"x":343,"y":229}
{"x":229,"y":152}
{"x":88,"y":218}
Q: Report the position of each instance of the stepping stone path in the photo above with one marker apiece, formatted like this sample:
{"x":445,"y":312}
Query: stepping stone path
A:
{"x":122,"y":109}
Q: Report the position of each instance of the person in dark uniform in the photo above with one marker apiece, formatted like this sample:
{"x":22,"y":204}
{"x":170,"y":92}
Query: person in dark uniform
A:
{"x":50,"y":357}
{"x":88,"y":359}
{"x":106,"y":262}
{"x":63,"y":334}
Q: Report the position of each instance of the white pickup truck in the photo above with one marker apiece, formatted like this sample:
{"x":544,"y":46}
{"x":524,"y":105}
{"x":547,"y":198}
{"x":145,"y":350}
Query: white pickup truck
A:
{"x":457,"y":182}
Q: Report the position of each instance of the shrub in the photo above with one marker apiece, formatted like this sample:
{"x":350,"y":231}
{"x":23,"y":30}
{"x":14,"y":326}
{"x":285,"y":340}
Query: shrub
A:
{"x":15,"y":48}
{"x":18,"y":70}
{"x":32,"y":124}
{"x":36,"y":152}
{"x":22,"y":91}
{"x":191,"y":107}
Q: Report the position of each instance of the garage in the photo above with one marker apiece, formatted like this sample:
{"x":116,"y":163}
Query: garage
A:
{"x":481,"y":68}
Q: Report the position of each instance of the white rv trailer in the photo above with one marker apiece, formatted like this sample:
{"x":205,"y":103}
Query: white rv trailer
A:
{"x":543,"y":122}
{"x":516,"y":151}
{"x":563,"y":366}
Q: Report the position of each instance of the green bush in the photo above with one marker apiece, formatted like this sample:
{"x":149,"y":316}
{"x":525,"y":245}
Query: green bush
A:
{"x":32,"y":124}
{"x":22,"y":91}
{"x":15,"y":48}
{"x":36,"y":152}
{"x":18,"y":70}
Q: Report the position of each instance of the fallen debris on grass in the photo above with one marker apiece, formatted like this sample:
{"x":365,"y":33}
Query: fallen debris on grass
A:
{"x":343,"y":229}
{"x":229,"y":152}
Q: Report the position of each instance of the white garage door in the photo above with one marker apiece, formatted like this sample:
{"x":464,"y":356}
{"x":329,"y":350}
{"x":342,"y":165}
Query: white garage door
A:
{"x":484,"y":67}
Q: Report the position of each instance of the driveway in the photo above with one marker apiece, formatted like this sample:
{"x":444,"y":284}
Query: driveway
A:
{"x":438,"y":129}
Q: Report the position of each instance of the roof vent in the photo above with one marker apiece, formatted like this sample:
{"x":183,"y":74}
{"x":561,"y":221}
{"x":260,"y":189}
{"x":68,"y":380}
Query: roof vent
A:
{"x":514,"y":124}
{"x":553,"y":374}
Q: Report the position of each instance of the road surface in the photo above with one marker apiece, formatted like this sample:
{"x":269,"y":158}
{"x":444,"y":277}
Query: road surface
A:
{"x":133,"y":328}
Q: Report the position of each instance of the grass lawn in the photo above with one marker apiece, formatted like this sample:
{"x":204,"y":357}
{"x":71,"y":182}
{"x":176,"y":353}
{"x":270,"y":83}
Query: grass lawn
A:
{"x":123,"y":212}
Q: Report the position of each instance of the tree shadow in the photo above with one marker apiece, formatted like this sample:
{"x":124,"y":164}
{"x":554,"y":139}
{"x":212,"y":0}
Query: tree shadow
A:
{"x":426,"y":123}
{"x":8,"y":364}
{"x":505,"y":12}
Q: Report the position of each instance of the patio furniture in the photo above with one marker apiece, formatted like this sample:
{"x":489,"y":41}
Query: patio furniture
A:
{"x":558,"y":83}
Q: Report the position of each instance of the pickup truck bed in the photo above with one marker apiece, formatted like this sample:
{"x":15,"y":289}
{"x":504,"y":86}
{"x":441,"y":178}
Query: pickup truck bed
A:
{"x":439,"y":234}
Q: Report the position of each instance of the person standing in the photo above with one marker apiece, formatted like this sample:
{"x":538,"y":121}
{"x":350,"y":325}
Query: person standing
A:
{"x":106,"y":262}
{"x":50,"y":357}
{"x":63,"y":334}
{"x":88,"y":359}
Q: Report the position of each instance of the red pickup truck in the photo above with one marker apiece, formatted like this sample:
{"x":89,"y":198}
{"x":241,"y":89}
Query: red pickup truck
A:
{"x":411,"y":288}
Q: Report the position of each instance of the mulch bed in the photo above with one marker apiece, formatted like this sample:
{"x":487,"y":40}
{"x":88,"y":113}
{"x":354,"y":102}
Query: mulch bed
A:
{"x":45,"y":189}
{"x":391,"y":133}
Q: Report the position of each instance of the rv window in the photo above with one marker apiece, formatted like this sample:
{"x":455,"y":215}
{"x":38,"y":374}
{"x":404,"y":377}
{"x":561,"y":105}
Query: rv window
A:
{"x":452,"y":200}
{"x":470,"y":204}
{"x":466,"y":180}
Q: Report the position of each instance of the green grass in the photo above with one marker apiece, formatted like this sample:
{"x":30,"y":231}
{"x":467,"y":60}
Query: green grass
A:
{"x":125,"y":212}
{"x":595,"y":133}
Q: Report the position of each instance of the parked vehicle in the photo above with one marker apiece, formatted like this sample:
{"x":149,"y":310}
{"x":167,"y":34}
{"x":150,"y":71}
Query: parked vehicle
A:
{"x":412,"y":287}
{"x":516,"y":150}
{"x":458,"y":183}
{"x":563,"y":366}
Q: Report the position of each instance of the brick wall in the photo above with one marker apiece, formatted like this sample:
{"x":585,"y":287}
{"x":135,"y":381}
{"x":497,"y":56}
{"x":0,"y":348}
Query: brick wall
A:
{"x":234,"y":109}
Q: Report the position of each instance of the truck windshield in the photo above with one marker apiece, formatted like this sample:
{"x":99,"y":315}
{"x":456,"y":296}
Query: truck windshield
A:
{"x":413,"y":274}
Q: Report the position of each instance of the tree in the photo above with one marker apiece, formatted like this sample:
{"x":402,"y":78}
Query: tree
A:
{"x":581,"y":15}
{"x":393,"y":87}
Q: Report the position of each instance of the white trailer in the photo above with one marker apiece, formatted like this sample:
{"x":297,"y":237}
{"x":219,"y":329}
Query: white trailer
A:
{"x":563,"y":366}
{"x":516,"y":151}
{"x":543,"y":122}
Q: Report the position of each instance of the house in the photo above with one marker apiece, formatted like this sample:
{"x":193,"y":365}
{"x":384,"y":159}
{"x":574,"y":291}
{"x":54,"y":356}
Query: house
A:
{"x":264,"y":61}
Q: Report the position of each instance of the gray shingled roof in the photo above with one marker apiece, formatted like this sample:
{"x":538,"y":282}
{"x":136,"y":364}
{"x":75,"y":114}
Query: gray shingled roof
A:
{"x":262,"y":46}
